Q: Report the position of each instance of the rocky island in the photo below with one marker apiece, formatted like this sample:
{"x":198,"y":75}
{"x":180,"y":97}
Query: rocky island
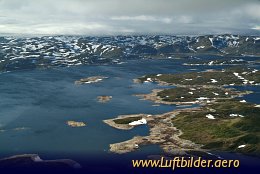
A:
{"x":104,"y":98}
{"x":76,"y":124}
{"x":89,"y":80}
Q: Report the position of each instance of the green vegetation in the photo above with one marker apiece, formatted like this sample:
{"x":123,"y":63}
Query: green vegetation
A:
{"x":224,"y":132}
{"x":223,"y":124}
{"x":127,"y":120}
{"x":216,"y":78}
{"x":181,"y":94}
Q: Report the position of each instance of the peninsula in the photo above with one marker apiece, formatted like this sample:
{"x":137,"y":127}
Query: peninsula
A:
{"x":220,"y":122}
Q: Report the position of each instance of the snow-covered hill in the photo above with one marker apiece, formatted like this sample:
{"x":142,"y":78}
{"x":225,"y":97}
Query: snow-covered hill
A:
{"x":24,"y":53}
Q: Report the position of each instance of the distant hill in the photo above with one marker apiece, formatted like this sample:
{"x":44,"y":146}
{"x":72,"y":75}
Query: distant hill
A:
{"x":27,"y":53}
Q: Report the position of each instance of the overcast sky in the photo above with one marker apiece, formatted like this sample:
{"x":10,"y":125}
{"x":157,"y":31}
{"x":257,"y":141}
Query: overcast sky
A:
{"x":113,"y":17}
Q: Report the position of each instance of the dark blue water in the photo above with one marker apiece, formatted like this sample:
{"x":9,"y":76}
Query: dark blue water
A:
{"x":41,"y":101}
{"x":253,"y":97}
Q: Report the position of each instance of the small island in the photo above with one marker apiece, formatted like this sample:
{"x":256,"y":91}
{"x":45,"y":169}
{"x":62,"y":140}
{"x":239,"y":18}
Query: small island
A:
{"x":89,"y":80}
{"x":76,"y":124}
{"x":104,"y":98}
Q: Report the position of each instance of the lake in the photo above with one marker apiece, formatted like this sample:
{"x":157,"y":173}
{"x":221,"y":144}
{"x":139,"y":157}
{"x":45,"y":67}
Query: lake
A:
{"x":36,"y":104}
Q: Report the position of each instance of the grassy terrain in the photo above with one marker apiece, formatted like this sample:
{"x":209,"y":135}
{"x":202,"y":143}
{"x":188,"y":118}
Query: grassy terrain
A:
{"x":224,"y":132}
{"x":180,"y":94}
{"x":127,"y":120}
{"x":205,"y":78}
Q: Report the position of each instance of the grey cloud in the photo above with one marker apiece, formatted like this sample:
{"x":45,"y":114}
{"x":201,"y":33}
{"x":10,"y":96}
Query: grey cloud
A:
{"x":95,"y":17}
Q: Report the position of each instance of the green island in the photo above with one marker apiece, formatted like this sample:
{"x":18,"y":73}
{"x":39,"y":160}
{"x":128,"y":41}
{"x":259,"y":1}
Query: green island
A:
{"x":221,"y":122}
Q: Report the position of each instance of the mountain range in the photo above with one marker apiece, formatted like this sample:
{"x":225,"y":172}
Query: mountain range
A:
{"x":33,"y":52}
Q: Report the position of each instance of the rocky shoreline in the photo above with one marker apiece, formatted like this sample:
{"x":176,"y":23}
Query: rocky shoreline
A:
{"x":112,"y":123}
{"x":153,"y":96}
{"x":162,"y":132}
{"x":166,"y":129}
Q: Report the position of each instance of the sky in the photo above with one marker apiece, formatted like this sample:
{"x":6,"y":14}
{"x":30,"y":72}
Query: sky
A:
{"x":124,"y":17}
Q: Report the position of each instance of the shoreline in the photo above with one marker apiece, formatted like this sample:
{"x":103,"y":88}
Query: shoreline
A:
{"x":153,"y":96}
{"x":162,"y":132}
{"x":111,"y":122}
{"x":161,"y":128}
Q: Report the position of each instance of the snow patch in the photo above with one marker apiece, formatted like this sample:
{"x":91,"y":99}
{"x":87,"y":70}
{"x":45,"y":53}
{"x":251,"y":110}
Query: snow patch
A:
{"x":211,"y":40}
{"x":138,"y":122}
{"x":211,"y":63}
{"x":200,"y":47}
{"x":202,"y":98}
{"x":241,"y":146}
{"x":213,"y":81}
{"x":215,"y":93}
{"x":235,"y":115}
{"x":209,"y":116}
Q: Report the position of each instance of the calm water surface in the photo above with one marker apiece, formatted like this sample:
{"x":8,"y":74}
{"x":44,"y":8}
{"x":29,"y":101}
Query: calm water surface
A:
{"x":35,"y":105}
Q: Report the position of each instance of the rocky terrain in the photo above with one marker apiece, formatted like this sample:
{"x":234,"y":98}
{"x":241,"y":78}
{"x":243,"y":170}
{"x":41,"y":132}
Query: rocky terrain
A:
{"x":76,"y":124}
{"x":104,"y":98}
{"x":221,"y":122}
{"x":89,"y":80}
{"x":40,"y":52}
{"x":162,"y":132}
